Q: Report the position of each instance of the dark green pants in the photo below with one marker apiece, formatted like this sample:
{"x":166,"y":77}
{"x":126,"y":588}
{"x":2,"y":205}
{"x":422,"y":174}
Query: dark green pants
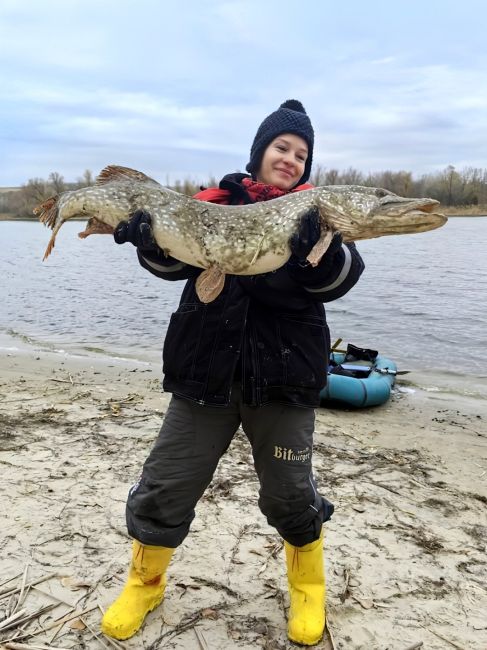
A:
{"x":160,"y":506}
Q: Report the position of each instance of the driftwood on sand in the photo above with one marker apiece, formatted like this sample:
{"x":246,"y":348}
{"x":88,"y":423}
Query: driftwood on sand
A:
{"x":405,"y":563}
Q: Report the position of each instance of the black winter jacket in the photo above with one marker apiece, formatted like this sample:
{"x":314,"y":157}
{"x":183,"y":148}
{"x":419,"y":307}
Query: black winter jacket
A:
{"x":266,"y":330}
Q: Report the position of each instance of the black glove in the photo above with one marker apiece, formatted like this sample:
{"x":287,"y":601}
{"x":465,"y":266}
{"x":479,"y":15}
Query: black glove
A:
{"x":307,"y":235}
{"x":137,"y":231}
{"x":301,"y":270}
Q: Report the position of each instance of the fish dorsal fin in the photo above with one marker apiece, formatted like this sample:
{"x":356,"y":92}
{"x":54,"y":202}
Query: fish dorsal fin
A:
{"x":115,"y":172}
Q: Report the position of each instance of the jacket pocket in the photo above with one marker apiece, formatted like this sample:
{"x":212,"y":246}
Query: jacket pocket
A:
{"x":304,"y":349}
{"x":185,"y":308}
{"x":182,"y":341}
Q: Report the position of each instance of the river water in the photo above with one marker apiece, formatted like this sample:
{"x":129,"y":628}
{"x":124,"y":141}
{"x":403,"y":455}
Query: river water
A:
{"x":422,"y":300}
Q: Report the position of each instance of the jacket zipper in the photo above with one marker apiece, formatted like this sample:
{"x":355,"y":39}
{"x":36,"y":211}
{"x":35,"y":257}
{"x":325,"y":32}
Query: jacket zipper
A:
{"x":255,"y":378}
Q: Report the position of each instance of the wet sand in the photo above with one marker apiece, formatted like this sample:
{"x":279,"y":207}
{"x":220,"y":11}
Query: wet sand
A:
{"x":405,"y":550}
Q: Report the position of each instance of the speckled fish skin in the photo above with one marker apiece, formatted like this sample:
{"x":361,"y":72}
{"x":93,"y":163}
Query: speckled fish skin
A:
{"x":242,"y":240}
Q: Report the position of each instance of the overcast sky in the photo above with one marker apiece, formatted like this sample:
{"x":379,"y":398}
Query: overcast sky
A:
{"x":178,"y":89}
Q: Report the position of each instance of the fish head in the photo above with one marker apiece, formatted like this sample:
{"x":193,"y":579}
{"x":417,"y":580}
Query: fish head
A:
{"x":397,"y":215}
{"x":369,"y":212}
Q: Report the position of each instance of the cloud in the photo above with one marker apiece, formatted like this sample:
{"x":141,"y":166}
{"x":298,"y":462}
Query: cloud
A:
{"x":184,"y":91}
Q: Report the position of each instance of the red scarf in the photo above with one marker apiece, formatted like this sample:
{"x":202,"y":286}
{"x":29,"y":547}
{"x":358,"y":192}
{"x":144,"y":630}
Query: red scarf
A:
{"x":262,"y":192}
{"x":257,"y":192}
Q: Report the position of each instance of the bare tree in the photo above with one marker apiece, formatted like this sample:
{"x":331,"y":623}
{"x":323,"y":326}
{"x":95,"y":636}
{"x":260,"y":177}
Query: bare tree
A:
{"x":86,"y":180}
{"x":449,"y":186}
{"x":351,"y":176}
{"x":453,"y":184}
{"x":57,"y":183}
{"x":318,"y":177}
{"x":332,"y":177}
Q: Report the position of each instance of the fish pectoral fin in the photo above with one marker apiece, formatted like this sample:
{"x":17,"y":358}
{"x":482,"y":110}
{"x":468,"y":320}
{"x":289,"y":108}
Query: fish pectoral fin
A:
{"x":210,"y":284}
{"x":321,"y":246}
{"x":96,"y":227}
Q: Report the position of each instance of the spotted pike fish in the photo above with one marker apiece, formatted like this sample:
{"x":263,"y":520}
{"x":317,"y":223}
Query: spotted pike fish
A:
{"x":241,"y":240}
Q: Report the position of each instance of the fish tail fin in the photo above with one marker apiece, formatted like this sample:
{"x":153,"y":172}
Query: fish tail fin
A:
{"x":48,"y":212}
{"x":50,"y":246}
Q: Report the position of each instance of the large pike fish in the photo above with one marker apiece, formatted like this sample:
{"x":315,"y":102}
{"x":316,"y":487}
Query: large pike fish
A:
{"x":242,"y":240}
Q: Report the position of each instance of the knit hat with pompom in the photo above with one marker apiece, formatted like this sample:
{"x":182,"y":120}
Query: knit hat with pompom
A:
{"x":290,"y":117}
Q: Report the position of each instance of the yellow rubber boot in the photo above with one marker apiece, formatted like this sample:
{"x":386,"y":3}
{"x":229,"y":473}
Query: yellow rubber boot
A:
{"x":143,"y":591}
{"x":307,"y":591}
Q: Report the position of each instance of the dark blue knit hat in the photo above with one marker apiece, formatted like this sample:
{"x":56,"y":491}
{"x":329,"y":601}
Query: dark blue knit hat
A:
{"x":290,"y":117}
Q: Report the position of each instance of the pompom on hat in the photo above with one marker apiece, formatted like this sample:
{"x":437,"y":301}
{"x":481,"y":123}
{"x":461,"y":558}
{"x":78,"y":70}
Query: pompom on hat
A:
{"x":290,"y":117}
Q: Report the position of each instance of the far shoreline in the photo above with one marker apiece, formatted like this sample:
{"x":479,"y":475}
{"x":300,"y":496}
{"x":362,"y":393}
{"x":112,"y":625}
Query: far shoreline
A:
{"x":448,"y":212}
{"x":11,"y":217}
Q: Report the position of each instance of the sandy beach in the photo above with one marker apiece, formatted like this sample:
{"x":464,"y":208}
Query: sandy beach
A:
{"x":405,"y":550}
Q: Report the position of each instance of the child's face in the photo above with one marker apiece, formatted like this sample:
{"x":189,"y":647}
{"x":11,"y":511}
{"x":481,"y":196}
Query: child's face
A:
{"x":283,"y":161}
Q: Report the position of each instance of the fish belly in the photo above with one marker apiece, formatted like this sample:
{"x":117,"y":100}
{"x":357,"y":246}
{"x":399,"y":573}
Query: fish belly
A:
{"x":233,"y":261}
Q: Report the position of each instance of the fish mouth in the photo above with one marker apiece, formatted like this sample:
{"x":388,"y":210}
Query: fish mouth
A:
{"x":402,"y":216}
{"x":417,"y":216}
{"x":394,"y":205}
{"x":428,"y":206}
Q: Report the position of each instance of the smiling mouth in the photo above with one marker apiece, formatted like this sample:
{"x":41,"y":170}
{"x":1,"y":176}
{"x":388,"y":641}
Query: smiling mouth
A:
{"x":285,"y":172}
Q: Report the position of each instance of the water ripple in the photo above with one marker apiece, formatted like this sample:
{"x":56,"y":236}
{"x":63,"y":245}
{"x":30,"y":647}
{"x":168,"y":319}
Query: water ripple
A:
{"x":420,"y":301}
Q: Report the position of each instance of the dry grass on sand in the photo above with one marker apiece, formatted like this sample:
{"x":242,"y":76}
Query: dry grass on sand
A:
{"x":405,"y":551}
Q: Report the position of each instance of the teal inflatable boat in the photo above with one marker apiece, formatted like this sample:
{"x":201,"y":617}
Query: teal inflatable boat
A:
{"x":358,"y":378}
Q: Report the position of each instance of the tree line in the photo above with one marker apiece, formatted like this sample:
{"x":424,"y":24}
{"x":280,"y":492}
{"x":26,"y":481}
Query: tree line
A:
{"x":449,"y":186}
{"x":452,"y":188}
